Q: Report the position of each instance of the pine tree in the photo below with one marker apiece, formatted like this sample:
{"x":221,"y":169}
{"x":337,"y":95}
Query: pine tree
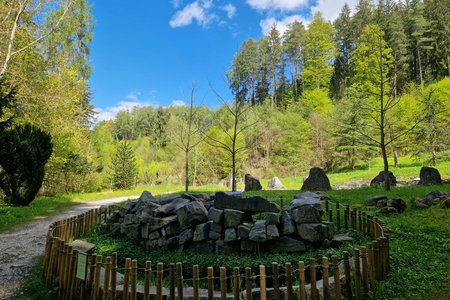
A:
{"x":294,"y":44}
{"x":124,"y":166}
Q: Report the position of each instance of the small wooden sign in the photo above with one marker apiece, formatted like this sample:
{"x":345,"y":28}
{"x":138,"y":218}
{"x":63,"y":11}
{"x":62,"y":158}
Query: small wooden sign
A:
{"x":82,"y":265}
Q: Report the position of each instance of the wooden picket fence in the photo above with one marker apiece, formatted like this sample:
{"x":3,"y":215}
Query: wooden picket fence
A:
{"x":350,"y":277}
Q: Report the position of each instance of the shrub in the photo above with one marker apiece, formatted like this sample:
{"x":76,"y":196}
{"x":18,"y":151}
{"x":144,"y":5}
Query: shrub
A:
{"x":24,"y":151}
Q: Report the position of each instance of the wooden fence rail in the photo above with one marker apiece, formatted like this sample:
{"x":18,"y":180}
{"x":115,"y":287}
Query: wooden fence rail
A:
{"x":352,"y":277}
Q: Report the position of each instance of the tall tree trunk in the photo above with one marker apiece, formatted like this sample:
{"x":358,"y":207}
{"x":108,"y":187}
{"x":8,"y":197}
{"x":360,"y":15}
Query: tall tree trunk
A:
{"x":186,"y":168}
{"x":420,"y":66}
{"x":387,"y":182}
{"x":395,"y":157}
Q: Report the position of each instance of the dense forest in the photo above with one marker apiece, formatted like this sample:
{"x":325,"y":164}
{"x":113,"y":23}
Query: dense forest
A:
{"x":375,"y":82}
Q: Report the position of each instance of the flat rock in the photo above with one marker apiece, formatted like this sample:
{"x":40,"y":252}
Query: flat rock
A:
{"x":192,"y":213}
{"x":252,"y":205}
{"x":157,"y":223}
{"x":373,"y":201}
{"x":171,"y":207}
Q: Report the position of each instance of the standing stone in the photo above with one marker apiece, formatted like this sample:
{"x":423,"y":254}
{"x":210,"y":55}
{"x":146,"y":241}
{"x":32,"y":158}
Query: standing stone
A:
{"x":272,"y":232}
{"x":429,"y":176}
{"x":201,"y":232}
{"x":287,"y":225}
{"x":191,"y":214}
{"x":275,"y":183}
{"x":251,"y":183}
{"x":379,"y":179}
{"x":317,"y":180}
{"x":215,"y":214}
{"x":232,"y":218}
{"x":258,"y":232}
{"x":230,"y":235}
{"x":243,"y":230}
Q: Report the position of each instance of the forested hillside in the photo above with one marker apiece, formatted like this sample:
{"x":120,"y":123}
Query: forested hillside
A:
{"x":373,"y":83}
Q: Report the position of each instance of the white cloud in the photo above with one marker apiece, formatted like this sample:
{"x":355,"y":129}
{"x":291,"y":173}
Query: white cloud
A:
{"x":196,"y":11}
{"x":178,"y":103}
{"x":230,"y":9}
{"x":134,"y":96}
{"x":281,"y":24}
{"x":177,"y":3}
{"x":331,"y":9}
{"x":286,"y":5}
{"x":110,"y":112}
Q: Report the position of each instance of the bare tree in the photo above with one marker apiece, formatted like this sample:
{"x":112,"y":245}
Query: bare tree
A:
{"x":186,"y":135}
{"x":236,"y":112}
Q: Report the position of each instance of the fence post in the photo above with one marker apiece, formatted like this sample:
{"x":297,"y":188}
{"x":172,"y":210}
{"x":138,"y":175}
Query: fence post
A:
{"x":346,"y":215}
{"x":223,"y":283}
{"x":262,"y":280}
{"x":236,"y":283}
{"x":133,"y":276}
{"x":159,"y":278}
{"x":107,"y":278}
{"x":210,"y":278}
{"x":338,"y":216}
{"x":98,"y":266}
{"x":330,"y":215}
{"x":276,"y":281}
{"x":73,"y":279}
{"x":172,"y":281}
{"x":113,"y":275}
{"x":126,"y":279}
{"x":360,"y":221}
{"x":147,"y":279}
{"x":337,"y":279}
{"x":326,"y":290}
{"x":365,"y":279}
{"x":288,"y":268}
{"x":195,"y":282}
{"x":179,"y":267}
{"x":348,"y":280}
{"x":357,"y":275}
{"x":371,"y":268}
{"x":301,"y":270}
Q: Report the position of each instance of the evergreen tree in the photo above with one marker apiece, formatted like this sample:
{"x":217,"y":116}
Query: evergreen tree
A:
{"x":124,"y":166}
{"x":294,"y":44}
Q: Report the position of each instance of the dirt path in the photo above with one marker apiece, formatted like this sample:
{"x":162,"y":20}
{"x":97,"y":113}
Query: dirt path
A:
{"x":21,"y":246}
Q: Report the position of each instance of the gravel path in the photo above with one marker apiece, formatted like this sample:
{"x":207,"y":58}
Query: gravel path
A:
{"x":21,"y":246}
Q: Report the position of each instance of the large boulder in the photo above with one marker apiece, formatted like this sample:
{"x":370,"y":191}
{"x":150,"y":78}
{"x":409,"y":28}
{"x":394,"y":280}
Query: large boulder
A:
{"x":287,"y":225}
{"x":315,"y":233}
{"x":251,"y":183}
{"x":379,"y":179}
{"x":306,"y":210}
{"x":316,"y":181}
{"x":429,"y":176}
{"x":258,"y":232}
{"x":252,"y":205}
{"x":192,"y":213}
{"x":275,"y":183}
{"x":232,"y":218}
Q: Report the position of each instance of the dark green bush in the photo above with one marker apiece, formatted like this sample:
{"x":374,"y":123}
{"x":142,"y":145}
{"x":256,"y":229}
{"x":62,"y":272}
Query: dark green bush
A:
{"x":24,"y":151}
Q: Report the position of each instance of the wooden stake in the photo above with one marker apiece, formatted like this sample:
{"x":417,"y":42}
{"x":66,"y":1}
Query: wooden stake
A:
{"x":337,"y":279}
{"x":326,"y":289}
{"x":147,"y":279}
{"x":312,"y":265}
{"x":223,"y":283}
{"x":301,"y":270}
{"x":276,"y":281}
{"x":210,"y":278}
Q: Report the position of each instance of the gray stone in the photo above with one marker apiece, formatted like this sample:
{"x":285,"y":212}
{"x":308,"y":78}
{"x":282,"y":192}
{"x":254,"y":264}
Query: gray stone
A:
{"x":339,"y":239}
{"x":316,"y":181}
{"x":203,"y":247}
{"x":144,"y":231}
{"x":215,"y":214}
{"x":216,"y":227}
{"x":397,"y":203}
{"x":157,"y":223}
{"x":144,"y":200}
{"x":247,"y":245}
{"x":202,"y":197}
{"x":172,"y":229}
{"x":379,"y":179}
{"x":201,"y":232}
{"x":154,"y":235}
{"x":309,"y":195}
{"x":186,"y":236}
{"x":230,"y":235}
{"x":254,"y":204}
{"x":258,"y":232}
{"x":287,"y":245}
{"x":192,"y":213}
{"x":275,"y":183}
{"x":214,"y":235}
{"x":243,"y":231}
{"x":171,"y":207}
{"x":315,"y":233}
{"x":130,"y":219}
{"x":388,"y":210}
{"x":272,"y":219}
{"x":251,"y":183}
{"x":306,"y":210}
{"x":232,"y":218}
{"x":272,"y":232}
{"x":227,"y":248}
{"x":373,"y":201}
{"x":429,"y":176}
{"x":287,"y":224}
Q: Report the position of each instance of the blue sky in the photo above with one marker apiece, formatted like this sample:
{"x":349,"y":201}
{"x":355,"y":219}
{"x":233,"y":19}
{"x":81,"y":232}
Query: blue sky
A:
{"x":150,"y":52}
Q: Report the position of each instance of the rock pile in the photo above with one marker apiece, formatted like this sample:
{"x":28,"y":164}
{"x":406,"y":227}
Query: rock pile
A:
{"x":438,"y":198}
{"x":224,"y":223}
{"x":387,"y":206}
